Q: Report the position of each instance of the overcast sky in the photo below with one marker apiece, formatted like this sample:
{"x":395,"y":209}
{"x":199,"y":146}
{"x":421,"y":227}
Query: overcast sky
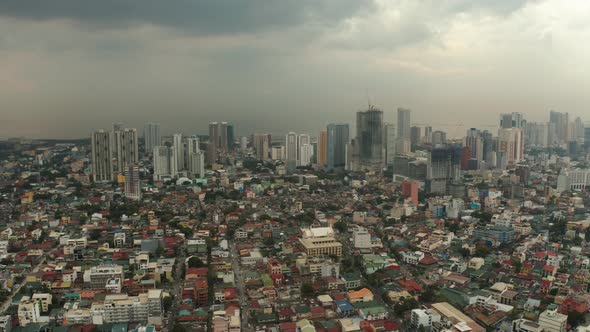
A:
{"x":70,"y":66}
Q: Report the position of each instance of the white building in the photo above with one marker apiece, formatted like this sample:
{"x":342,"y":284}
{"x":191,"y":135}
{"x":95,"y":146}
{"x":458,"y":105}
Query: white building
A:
{"x":165,"y":163}
{"x":361,"y":238}
{"x":122,"y":308}
{"x":525,"y":325}
{"x":412,"y":257}
{"x":29,"y":311}
{"x":44,"y":300}
{"x":424,"y":318}
{"x":552,"y":321}
{"x":178,"y":147}
{"x":305,"y":154}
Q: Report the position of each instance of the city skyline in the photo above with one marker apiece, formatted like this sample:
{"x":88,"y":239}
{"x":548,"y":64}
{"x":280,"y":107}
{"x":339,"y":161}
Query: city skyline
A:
{"x":447,"y":61}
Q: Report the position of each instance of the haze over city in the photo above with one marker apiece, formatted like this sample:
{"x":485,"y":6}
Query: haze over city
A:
{"x":272,"y":66}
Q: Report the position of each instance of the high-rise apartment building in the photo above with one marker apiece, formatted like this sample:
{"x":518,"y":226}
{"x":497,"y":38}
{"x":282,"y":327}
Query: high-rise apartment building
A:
{"x":262,"y":145}
{"x":102,"y":164}
{"x":127,"y":148}
{"x":323,"y":148}
{"x":277,"y":152}
{"x":132,"y":182}
{"x":444,"y":167}
{"x":114,"y":143}
{"x":427,"y":135}
{"x":194,"y":158}
{"x":165,"y":163}
{"x":510,"y":147}
{"x":537,"y":134}
{"x":439,"y":138}
{"x":197,"y":164}
{"x":561,"y":123}
{"x":512,"y":120}
{"x":303,"y":140}
{"x":473,"y":141}
{"x":338,"y":135}
{"x":369,"y":129}
{"x":291,"y":147}
{"x":230,"y":137}
{"x":218,"y":140}
{"x":415,"y":135}
{"x":190,"y":146}
{"x":306,"y":154}
{"x":151,"y":136}
{"x":178,"y":147}
{"x":404,"y":135}
{"x":389,"y":141}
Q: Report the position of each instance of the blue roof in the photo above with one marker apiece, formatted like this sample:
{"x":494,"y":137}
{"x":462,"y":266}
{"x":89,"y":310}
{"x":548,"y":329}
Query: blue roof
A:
{"x":344,"y":305}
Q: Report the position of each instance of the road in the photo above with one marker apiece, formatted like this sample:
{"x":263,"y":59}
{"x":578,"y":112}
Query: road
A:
{"x":244,"y":312}
{"x":176,"y":291}
{"x":16,"y":289}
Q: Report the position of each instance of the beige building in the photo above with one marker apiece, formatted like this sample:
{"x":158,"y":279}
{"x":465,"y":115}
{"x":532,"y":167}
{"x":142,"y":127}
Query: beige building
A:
{"x":320,"y":241}
{"x":552,"y":321}
{"x":29,"y":311}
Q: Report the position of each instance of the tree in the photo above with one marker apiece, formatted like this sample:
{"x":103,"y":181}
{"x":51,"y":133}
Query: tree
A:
{"x":178,"y":328}
{"x":341,"y":226}
{"x":195,"y":262}
{"x":464,"y":252}
{"x":167,"y":303}
{"x":575,"y":318}
{"x":269,"y":241}
{"x":482,"y":251}
{"x":307,"y":290}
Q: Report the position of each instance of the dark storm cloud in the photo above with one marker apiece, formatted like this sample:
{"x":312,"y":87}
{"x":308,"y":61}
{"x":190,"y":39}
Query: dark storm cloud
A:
{"x":192,"y":16}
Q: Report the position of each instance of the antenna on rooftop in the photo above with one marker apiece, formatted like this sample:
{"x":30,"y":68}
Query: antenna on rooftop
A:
{"x":368,"y":98}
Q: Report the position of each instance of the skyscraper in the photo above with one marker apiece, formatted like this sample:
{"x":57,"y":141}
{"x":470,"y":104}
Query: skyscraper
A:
{"x":510,"y":147}
{"x":178,"y":147}
{"x":303,"y":139}
{"x":561,"y":123}
{"x":102,"y":165}
{"x":369,"y":128}
{"x":197,"y":164}
{"x":291,"y":148}
{"x":127,"y":148}
{"x":537,"y":134}
{"x":404,"y":135}
{"x":415,"y":135}
{"x":114,"y":143}
{"x":389,"y":139}
{"x":218,"y":140}
{"x":261,"y":144}
{"x":444,"y":167}
{"x":428,"y":135}
{"x":338,"y":135}
{"x":512,"y":120}
{"x":190,"y":147}
{"x":439,"y":138}
{"x":230,"y":137}
{"x":306,"y":154}
{"x":474,"y":142}
{"x":132,"y":182}
{"x":165,"y":160}
{"x":151,"y":136}
{"x":587,"y":139}
{"x":323,"y":148}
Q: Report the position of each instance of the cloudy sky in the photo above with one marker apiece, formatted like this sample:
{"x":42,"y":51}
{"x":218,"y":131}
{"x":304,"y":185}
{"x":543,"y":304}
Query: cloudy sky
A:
{"x":70,"y":66}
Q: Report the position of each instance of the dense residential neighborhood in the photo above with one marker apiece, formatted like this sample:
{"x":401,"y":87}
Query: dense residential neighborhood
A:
{"x":255,"y":244}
